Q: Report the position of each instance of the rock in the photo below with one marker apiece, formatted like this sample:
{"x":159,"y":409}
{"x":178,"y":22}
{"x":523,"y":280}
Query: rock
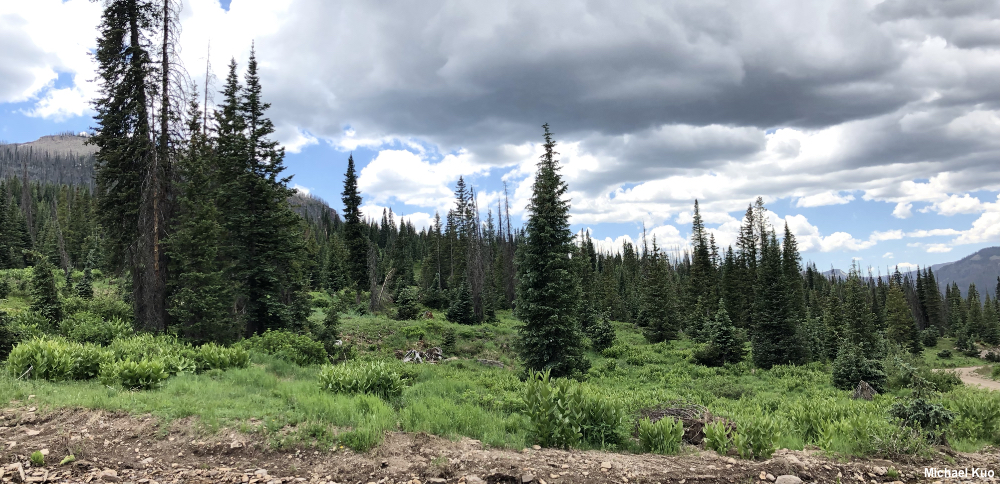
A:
{"x":769,"y":477}
{"x":731,"y":461}
{"x":110,"y":476}
{"x":262,"y":473}
{"x":879,"y":470}
{"x":526,"y":478}
{"x":605,"y":465}
{"x":536,"y":447}
{"x":472,"y":479}
{"x":437,"y":480}
{"x":763,"y":475}
{"x":32,"y":433}
{"x":788,"y":479}
{"x":236,"y":445}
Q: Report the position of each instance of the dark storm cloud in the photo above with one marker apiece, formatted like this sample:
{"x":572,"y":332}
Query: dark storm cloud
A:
{"x":491,"y":72}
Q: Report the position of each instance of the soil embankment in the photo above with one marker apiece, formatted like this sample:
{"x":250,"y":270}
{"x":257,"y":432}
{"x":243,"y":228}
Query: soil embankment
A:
{"x":115,"y":447}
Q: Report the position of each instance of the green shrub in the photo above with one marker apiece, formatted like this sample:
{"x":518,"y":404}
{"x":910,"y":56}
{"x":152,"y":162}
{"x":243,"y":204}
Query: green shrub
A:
{"x":757,"y":437}
{"x":211,"y":356}
{"x":661,"y":437}
{"x":87,"y":360}
{"x":944,"y":354}
{"x":144,"y":374}
{"x":996,"y":372}
{"x":328,"y":332}
{"x":555,"y":410}
{"x":717,"y":437}
{"x":602,"y":334}
{"x":977,"y":414}
{"x":363,"y":377}
{"x":415,"y":332}
{"x":448,"y":345}
{"x":406,"y":304}
{"x":47,"y":358}
{"x":931,"y":418}
{"x":929,"y":337}
{"x":851,"y":367}
{"x":87,"y":327}
{"x":37,"y":459}
{"x":603,"y":422}
{"x":295,"y":348}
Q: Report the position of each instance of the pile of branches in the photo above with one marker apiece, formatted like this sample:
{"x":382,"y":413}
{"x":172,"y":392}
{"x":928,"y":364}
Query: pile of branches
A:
{"x":694,"y":417}
{"x":432,"y":355}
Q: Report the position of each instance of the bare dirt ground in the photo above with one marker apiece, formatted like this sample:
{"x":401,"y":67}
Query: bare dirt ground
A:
{"x":115,"y":447}
{"x":970,"y":377}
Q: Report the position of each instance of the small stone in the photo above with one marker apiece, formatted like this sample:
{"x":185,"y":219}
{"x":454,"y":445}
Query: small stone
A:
{"x":236,"y":445}
{"x":526,"y":478}
{"x":45,"y":452}
{"x":32,"y":433}
{"x":536,"y":447}
{"x":763,"y":475}
{"x":879,"y":470}
{"x":553,"y":476}
{"x":260,"y":472}
{"x":110,"y":476}
{"x":605,"y":465}
{"x":770,"y":477}
{"x":788,"y":479}
{"x":565,"y":466}
{"x":30,"y":397}
{"x":472,"y":479}
{"x":731,"y":461}
{"x":437,"y":480}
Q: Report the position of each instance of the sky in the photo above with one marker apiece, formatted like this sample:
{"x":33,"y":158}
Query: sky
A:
{"x":872,"y":128}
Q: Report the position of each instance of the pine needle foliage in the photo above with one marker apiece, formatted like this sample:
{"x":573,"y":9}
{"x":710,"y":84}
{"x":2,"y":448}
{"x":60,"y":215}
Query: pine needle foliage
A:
{"x":548,"y":291}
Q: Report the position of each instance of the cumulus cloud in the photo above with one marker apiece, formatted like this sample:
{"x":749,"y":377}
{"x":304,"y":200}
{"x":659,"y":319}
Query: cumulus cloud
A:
{"x":823,"y":199}
{"x":404,"y":176}
{"x":903,"y":210}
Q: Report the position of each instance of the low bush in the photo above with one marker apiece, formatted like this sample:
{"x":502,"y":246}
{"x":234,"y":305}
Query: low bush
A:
{"x":211,"y":356}
{"x":918,"y":413}
{"x":42,"y":359}
{"x":363,"y":377}
{"x":555,"y":410}
{"x":944,"y":354}
{"x":661,"y":437}
{"x":295,"y":348}
{"x":603,"y":423}
{"x":406,"y":304}
{"x":144,"y":374}
{"x":977,"y":414}
{"x":929,"y":337}
{"x":602,"y":334}
{"x":717,"y":437}
{"x":107,"y":308}
{"x":87,"y":327}
{"x":757,"y":437}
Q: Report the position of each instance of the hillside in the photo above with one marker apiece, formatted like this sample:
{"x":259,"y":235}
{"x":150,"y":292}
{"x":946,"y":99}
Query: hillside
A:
{"x":61,"y":158}
{"x":981,"y":268}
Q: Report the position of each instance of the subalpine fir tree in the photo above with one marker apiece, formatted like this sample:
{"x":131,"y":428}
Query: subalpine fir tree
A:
{"x":461,"y":310}
{"x":791,"y":268}
{"x":658,"y":315}
{"x":901,"y":326}
{"x":547,"y":291}
{"x":200,"y":297}
{"x":44,"y":295}
{"x":773,"y":333}
{"x":725,"y":345}
{"x":265,"y":244}
{"x":860,"y":328}
{"x":85,"y":288}
{"x":355,"y":239}
{"x":702,"y":278}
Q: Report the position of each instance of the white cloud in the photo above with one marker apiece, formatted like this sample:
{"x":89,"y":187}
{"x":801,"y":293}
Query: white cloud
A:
{"x":410,"y":179}
{"x":985,"y":229}
{"x":302,"y":189}
{"x":887,"y":255}
{"x":906,"y":266}
{"x":823,"y":199}
{"x":938,"y":248}
{"x":932,"y":233}
{"x":954,"y":205}
{"x":903,"y":210}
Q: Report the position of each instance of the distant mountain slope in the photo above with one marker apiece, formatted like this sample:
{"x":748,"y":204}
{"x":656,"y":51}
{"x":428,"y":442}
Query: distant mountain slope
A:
{"x":981,"y":268}
{"x":61,"y":158}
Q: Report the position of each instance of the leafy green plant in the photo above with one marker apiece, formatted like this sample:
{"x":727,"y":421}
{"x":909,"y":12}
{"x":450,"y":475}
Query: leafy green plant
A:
{"x":134,"y":375}
{"x":944,"y":354}
{"x":661,"y":437}
{"x":296,"y":348}
{"x":717,"y":437}
{"x":554,"y":409}
{"x":358,"y":377}
{"x":603,"y":422}
{"x":87,"y":327}
{"x":46,"y":358}
{"x":37,"y":459}
{"x":211,"y":356}
{"x":757,"y":437}
{"x":977,"y":414}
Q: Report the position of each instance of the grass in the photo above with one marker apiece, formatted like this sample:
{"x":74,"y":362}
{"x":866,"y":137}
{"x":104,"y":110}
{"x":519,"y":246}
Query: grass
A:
{"x":285,"y":403}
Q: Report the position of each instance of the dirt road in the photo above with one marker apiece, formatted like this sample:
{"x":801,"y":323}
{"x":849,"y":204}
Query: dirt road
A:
{"x":970,"y":377}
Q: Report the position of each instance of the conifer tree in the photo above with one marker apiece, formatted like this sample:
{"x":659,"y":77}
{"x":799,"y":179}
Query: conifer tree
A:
{"x":701,"y":282}
{"x":126,"y":155}
{"x":44,"y":295}
{"x":791,"y":267}
{"x":200,"y":298}
{"x":460,"y":311}
{"x":548,"y":292}
{"x":901,"y":326}
{"x":658,"y":315}
{"x":774,"y":336}
{"x":85,"y":288}
{"x":354,"y":231}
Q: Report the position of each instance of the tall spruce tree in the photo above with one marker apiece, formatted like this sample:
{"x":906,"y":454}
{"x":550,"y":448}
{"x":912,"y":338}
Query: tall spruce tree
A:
{"x":126,"y":156}
{"x":791,"y":268}
{"x":200,"y":297}
{"x":899,"y":318}
{"x":658,"y":314}
{"x":44,"y":295}
{"x":773,"y":333}
{"x":548,"y":292}
{"x":355,"y":239}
